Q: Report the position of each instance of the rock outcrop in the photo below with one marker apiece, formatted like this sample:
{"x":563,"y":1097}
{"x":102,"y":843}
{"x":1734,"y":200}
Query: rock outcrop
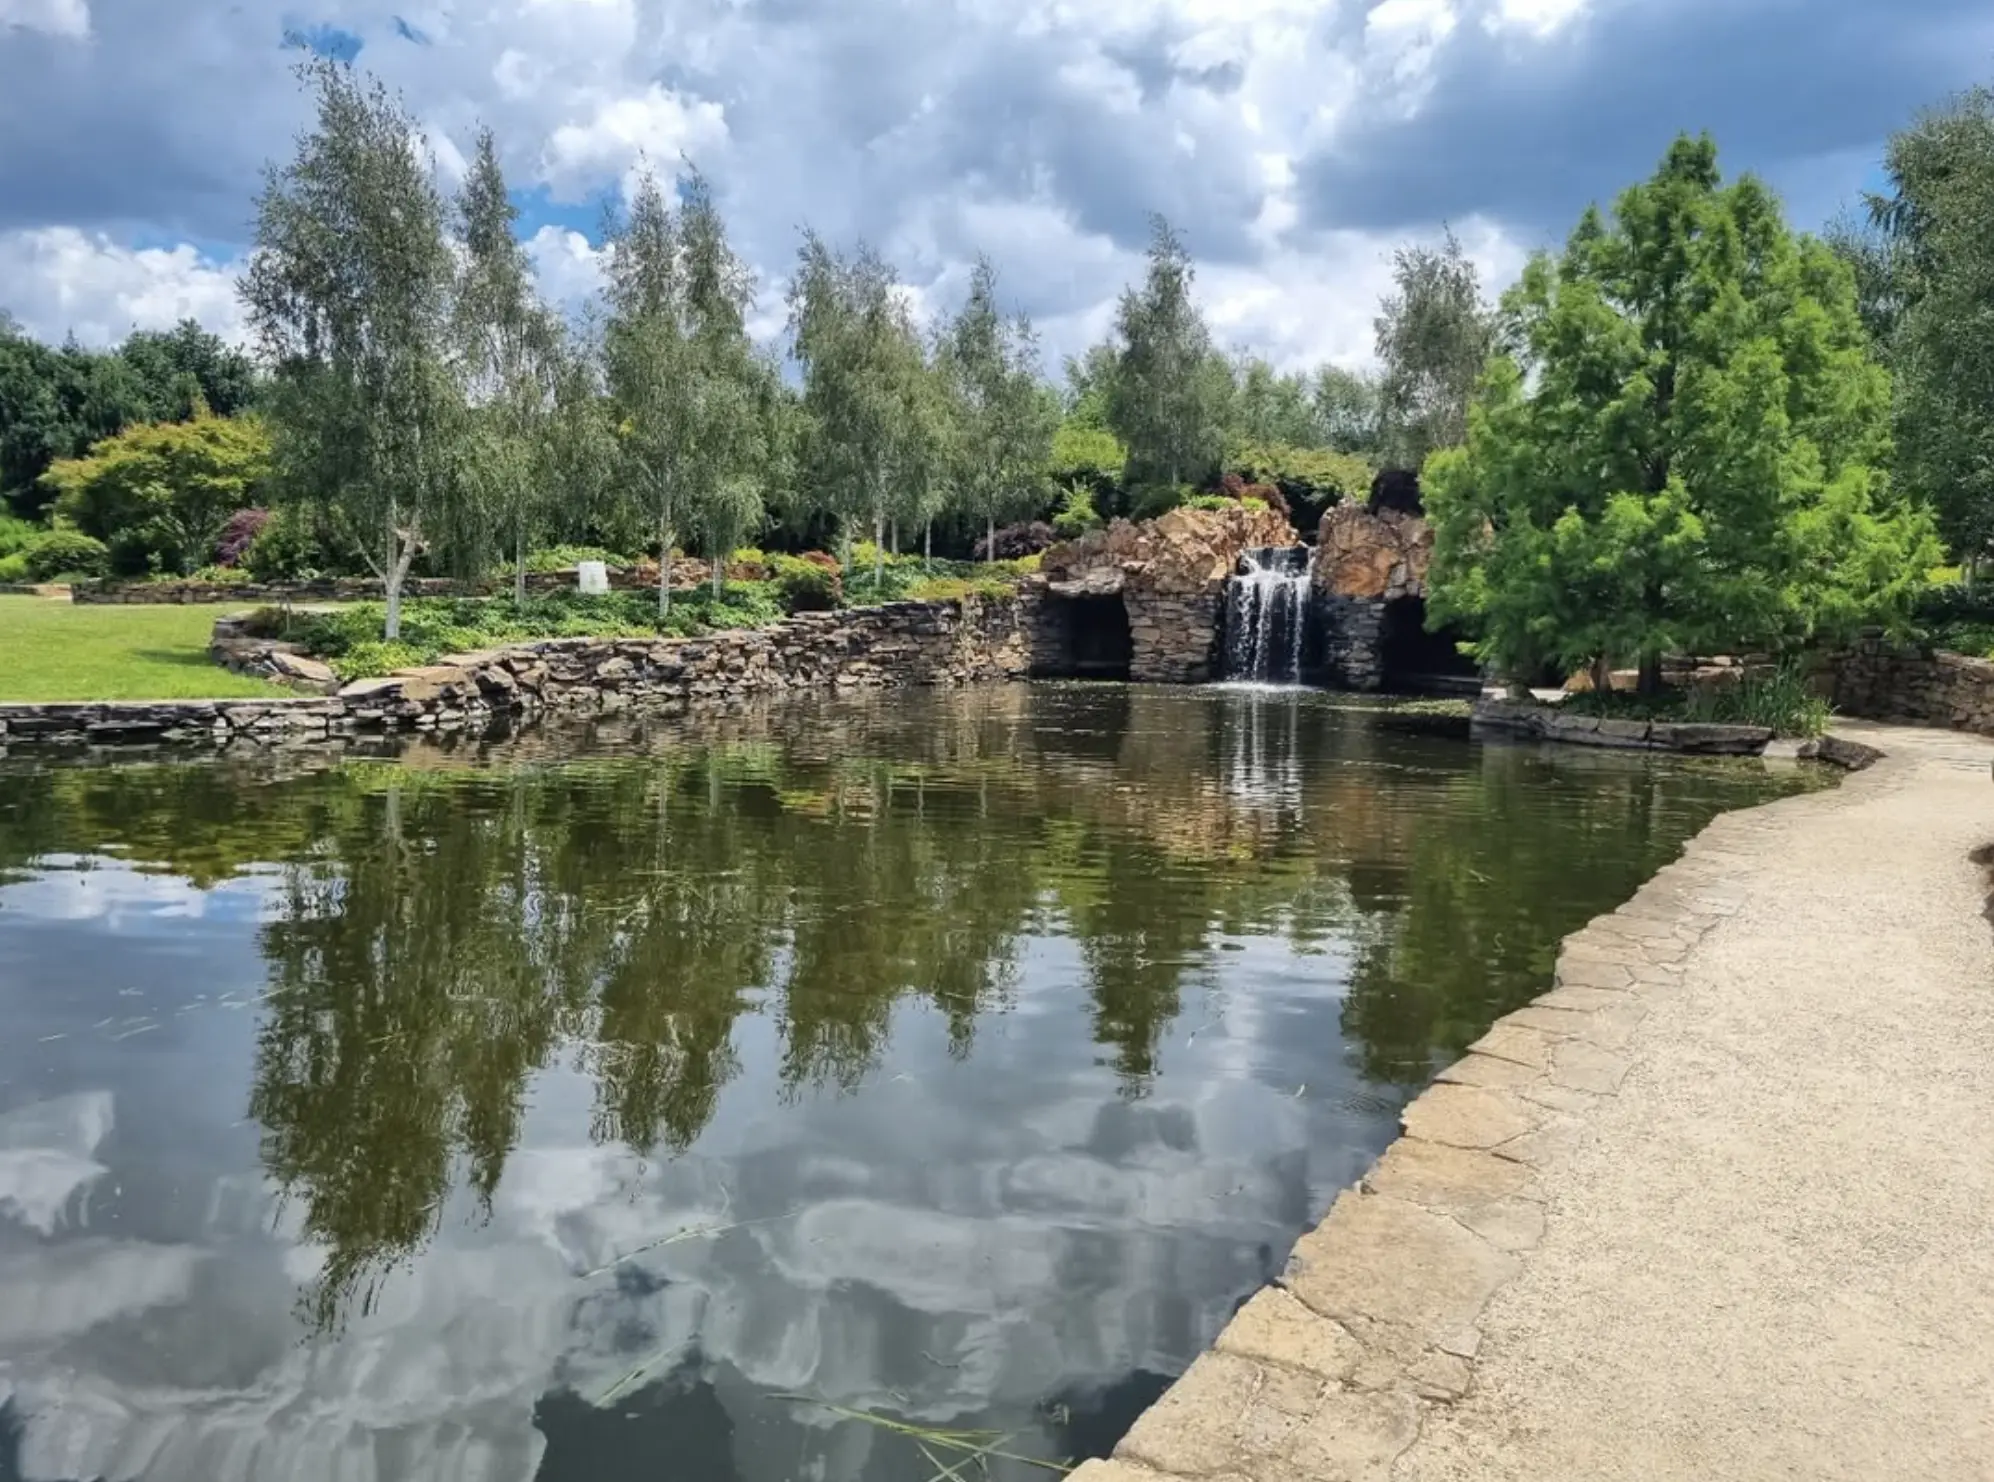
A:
{"x":1365,"y":558}
{"x":1373,"y":557}
{"x":1170,"y":574}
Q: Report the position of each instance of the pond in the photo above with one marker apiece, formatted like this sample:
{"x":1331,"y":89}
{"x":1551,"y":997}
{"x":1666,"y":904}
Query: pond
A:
{"x":662,"y":1099}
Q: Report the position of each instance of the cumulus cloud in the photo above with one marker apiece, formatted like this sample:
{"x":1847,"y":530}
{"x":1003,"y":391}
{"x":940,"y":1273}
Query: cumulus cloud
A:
{"x":57,"y":17}
{"x":1292,"y":141}
{"x":60,"y":281}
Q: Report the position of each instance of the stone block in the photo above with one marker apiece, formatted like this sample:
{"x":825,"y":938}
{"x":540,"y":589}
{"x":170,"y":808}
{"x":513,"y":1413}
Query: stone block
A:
{"x":1275,"y":1328}
{"x":1384,"y":1260}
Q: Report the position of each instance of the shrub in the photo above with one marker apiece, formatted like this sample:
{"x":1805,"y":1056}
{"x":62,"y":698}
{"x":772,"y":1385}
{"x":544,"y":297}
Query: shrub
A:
{"x":287,"y":548}
{"x":14,"y":568}
{"x":223,"y":576}
{"x":955,"y":588}
{"x":364,"y":660}
{"x":803,"y":585}
{"x":1781,"y":701}
{"x":567,"y":558}
{"x":17,"y":535}
{"x":1077,"y":518}
{"x":1308,"y":480}
{"x":1209,"y":502}
{"x":238,"y":534}
{"x":1010,"y":542}
{"x":67,"y":553}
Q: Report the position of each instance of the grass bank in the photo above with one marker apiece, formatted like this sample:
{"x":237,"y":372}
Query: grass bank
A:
{"x":51,"y":650}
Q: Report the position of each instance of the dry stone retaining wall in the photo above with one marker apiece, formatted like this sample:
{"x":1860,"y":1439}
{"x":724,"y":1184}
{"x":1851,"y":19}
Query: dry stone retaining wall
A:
{"x":896,"y":644}
{"x":1881,"y":681}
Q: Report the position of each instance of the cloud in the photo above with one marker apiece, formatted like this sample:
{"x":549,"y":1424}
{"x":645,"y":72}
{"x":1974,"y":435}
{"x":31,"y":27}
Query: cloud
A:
{"x":69,"y":18}
{"x":1293,"y":142}
{"x":1526,"y":120}
{"x":60,"y":281}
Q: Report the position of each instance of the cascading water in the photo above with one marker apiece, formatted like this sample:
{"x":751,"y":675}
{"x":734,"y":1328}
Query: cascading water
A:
{"x":1266,"y":615}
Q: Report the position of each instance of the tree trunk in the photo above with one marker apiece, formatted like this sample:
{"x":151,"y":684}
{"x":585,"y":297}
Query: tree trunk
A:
{"x":719,"y":577}
{"x":896,"y":538}
{"x":1602,"y":674}
{"x":391,"y":587}
{"x":1651,"y":675}
{"x":519,"y":569}
{"x":664,"y":566}
{"x":878,"y":547}
{"x":989,"y":535}
{"x":928,"y":545}
{"x":397,"y":575}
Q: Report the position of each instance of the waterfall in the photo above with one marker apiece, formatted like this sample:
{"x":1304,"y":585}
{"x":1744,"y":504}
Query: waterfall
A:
{"x":1266,"y":614}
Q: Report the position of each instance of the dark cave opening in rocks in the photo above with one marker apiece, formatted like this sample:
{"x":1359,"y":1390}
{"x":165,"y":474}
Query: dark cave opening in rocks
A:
{"x":1414,"y":659}
{"x":1093,"y":637}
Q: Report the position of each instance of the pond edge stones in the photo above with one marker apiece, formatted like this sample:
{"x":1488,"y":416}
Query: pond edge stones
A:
{"x":1329,"y":1373}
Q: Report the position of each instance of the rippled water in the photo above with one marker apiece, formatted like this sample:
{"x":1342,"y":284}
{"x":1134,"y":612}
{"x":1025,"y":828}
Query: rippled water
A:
{"x":562,"y":1107}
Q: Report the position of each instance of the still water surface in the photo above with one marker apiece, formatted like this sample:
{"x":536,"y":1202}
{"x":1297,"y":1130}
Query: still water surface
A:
{"x":563,"y":1107}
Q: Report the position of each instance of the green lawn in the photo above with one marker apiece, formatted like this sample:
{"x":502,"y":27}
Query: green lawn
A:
{"x":52,"y":650}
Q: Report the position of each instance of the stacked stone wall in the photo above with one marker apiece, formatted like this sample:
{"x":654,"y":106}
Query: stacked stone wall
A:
{"x":975,"y":640}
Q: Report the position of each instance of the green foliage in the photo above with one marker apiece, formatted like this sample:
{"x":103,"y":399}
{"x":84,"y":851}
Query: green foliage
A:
{"x":1434,"y":335}
{"x":1782,"y":701}
{"x":349,"y":290}
{"x":1930,"y":272}
{"x":1004,"y":424}
{"x":222,"y":576}
{"x":1076,"y":517}
{"x":881,"y":437}
{"x":568,"y":557}
{"x":1683,"y":453}
{"x":66,"y":553}
{"x":17,"y":535}
{"x":1315,"y":477}
{"x":1166,"y":400}
{"x":804,"y":586}
{"x":1147,"y":501}
{"x":291,"y":546}
{"x":955,"y":588}
{"x":1219,"y":502}
{"x":432,"y":627}
{"x":158,"y":494}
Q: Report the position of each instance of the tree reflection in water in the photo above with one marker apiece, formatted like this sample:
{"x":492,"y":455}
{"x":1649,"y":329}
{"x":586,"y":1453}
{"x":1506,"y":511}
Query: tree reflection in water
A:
{"x":448,"y":920}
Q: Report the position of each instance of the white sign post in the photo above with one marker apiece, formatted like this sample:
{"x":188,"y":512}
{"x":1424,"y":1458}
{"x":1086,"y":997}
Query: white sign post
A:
{"x":592,"y":578}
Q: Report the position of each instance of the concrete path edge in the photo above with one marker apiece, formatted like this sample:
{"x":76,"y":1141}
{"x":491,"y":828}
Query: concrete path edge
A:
{"x":1331,"y":1372}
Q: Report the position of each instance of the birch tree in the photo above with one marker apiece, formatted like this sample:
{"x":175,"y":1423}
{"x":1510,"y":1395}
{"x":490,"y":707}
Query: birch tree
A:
{"x":512,"y":353}
{"x":349,"y":292}
{"x":1003,"y":424}
{"x":730,"y":392}
{"x":867,"y":390}
{"x":648,"y":360}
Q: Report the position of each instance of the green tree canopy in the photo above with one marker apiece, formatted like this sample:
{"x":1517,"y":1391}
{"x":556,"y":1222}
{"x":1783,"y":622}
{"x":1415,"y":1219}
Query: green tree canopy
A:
{"x":1005,"y":424}
{"x":512,"y":362}
{"x":160,"y":492}
{"x":1166,"y":400}
{"x":349,"y":291}
{"x":873,"y":402}
{"x":1686,"y":450}
{"x":1434,"y":336}
{"x":1929,"y":268}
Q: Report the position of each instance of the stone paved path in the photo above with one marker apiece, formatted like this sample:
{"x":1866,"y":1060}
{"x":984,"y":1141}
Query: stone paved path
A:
{"x":1720,"y":1207}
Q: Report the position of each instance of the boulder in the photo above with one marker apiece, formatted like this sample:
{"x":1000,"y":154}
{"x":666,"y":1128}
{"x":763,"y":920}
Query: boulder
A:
{"x":1372,"y":556}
